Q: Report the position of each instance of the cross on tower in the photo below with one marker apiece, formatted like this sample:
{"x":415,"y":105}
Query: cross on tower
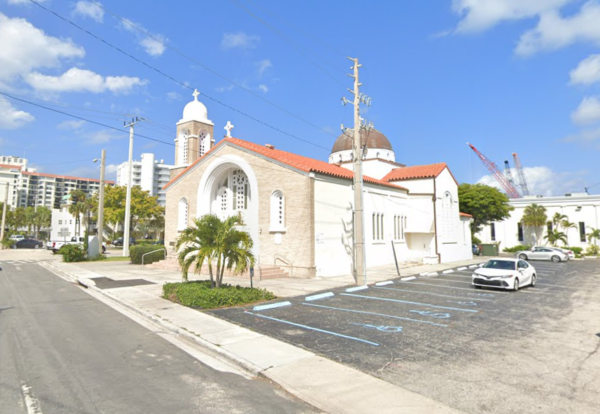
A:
{"x":195,"y":94}
{"x":228,"y":128}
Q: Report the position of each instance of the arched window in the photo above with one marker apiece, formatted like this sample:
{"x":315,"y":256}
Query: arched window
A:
{"x":277,"y":211}
{"x":240,"y":190}
{"x":203,"y":142}
{"x":182,"y":147}
{"x":182,"y":217}
{"x":222,"y":198}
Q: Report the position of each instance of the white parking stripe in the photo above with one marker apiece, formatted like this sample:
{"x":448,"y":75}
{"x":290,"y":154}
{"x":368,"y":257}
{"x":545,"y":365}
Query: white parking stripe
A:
{"x":31,"y":402}
{"x":435,"y":294}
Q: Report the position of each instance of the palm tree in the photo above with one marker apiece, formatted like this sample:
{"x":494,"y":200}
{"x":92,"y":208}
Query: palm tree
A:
{"x":211,"y":239}
{"x":77,"y":208}
{"x":566,"y":225}
{"x":42,"y":218}
{"x":535,"y":216}
{"x":593,"y":235}
{"x":555,"y":236}
{"x":558,"y":218}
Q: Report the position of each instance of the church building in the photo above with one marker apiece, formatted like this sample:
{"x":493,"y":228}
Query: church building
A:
{"x":299,"y":210}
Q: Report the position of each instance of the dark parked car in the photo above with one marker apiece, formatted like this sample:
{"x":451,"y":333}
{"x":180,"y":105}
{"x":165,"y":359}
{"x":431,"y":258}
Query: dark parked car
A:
{"x":28,"y":244}
{"x":476,"y":250}
{"x":119,"y":241}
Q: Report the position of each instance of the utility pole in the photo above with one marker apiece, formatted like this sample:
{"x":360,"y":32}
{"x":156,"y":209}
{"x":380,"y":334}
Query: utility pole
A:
{"x":4,"y":211}
{"x":126,"y":231}
{"x":360,"y":264}
{"x":101,"y":201}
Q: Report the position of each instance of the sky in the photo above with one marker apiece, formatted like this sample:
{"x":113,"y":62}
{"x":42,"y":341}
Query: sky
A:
{"x":505,"y":75}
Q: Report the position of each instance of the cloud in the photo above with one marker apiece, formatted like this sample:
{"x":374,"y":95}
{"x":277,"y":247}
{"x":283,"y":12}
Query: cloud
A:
{"x":554,"y":32}
{"x":239,"y":40}
{"x":586,"y":137}
{"x":12,"y":118}
{"x":588,"y":111}
{"x":480,"y":15}
{"x":263,"y":88}
{"x":102,"y":137}
{"x":263,"y":65}
{"x":587,"y":72}
{"x":82,"y":80}
{"x":225,"y":88}
{"x":153,"y":44}
{"x":173,"y":97}
{"x":71,"y":125}
{"x":89,"y":9}
{"x":544,"y":181}
{"x":25,"y":48}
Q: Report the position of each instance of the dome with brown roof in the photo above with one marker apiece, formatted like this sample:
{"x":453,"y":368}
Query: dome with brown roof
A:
{"x":373,"y":139}
{"x":377,"y":144}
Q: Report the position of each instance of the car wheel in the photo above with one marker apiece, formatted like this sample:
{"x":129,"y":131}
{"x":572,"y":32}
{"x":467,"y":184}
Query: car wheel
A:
{"x":516,"y":286}
{"x":523,"y":256}
{"x":555,"y":259}
{"x":533,"y":280}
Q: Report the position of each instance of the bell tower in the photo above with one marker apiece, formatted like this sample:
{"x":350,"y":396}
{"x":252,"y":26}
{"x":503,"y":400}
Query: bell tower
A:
{"x":194,"y":135}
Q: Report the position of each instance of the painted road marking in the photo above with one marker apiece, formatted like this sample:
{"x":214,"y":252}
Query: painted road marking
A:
{"x":448,"y":271}
{"x":437,"y":315}
{"x":271,"y":306}
{"x":449,"y":287}
{"x":382,"y":328}
{"x":375,"y":313}
{"x":410,"y":303}
{"x":462,"y":268}
{"x":389,"y":282}
{"x":473,"y":266}
{"x":31,"y":402}
{"x":313,"y":328}
{"x":423,"y":274}
{"x":407,"y":279}
{"x":432,"y":274}
{"x":357,"y":288}
{"x":320,"y":296}
{"x":432,"y":294}
{"x":465,"y":303}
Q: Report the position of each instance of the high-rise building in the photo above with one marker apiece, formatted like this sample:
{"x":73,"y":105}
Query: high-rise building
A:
{"x":27,"y":187}
{"x":149,"y":174}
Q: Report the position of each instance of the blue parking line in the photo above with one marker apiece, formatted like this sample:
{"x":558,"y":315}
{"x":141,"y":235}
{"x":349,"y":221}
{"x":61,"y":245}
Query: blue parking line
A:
{"x":429,"y":293}
{"x":377,"y":314}
{"x":319,"y":296}
{"x":313,"y":329}
{"x":411,"y":303}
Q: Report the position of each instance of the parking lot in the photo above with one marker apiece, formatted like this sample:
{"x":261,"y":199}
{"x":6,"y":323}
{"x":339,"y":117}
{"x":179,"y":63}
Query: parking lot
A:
{"x":478,"y":350}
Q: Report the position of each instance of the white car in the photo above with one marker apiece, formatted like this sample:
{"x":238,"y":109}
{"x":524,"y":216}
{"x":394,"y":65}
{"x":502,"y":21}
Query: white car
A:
{"x":17,"y":237}
{"x":568,"y":252}
{"x":543,"y":253}
{"x":504,"y":274}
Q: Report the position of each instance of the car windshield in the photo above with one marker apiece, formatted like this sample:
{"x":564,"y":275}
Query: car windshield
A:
{"x":500,"y":264}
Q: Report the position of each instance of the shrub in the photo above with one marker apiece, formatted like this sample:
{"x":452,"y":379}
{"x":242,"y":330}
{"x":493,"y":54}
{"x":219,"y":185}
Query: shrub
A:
{"x":8,"y":243}
{"x":592,"y":250}
{"x":136,"y":252}
{"x":576,"y":250}
{"x":516,"y":248}
{"x":72,"y":253}
{"x":475,"y":240}
{"x":199,"y":294}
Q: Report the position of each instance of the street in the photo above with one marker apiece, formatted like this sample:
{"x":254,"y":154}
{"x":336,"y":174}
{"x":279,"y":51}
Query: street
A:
{"x":63,"y":351}
{"x":477,"y":350}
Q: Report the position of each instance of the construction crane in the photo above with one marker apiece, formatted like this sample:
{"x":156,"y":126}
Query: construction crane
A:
{"x":510,"y":189}
{"x":521,"y":176}
{"x":508,"y":173}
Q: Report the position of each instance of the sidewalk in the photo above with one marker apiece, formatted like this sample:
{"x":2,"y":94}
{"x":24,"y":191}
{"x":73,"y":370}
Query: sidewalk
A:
{"x":327,"y":385}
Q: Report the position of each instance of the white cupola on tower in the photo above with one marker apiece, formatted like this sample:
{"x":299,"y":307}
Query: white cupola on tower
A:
{"x":195,"y":111}
{"x":194,"y":133}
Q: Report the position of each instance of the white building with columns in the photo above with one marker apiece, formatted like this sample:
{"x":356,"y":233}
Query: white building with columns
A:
{"x":299,"y":210}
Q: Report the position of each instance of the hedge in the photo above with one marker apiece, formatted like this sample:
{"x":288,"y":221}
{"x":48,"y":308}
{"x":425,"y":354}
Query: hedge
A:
{"x":516,"y":248}
{"x":199,"y":294}
{"x":72,"y":253}
{"x":136,"y":252}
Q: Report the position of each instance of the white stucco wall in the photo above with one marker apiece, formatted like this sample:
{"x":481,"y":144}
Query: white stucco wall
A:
{"x":579,"y":209}
{"x":62,"y":219}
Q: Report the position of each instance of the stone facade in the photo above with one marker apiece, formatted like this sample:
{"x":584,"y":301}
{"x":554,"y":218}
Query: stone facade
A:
{"x":292,"y":248}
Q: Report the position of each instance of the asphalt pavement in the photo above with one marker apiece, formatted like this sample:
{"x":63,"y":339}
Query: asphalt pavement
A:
{"x":477,"y":350}
{"x":62,"y":351}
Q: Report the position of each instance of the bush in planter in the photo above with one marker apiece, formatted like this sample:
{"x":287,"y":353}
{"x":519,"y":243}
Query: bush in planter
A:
{"x":136,"y":252}
{"x":8,"y":243}
{"x":199,"y":294}
{"x":576,"y":250}
{"x":592,"y":250}
{"x":72,"y":253}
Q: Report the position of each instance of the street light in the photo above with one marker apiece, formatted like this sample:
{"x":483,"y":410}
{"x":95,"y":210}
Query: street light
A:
{"x":4,"y":211}
{"x":101,"y":201}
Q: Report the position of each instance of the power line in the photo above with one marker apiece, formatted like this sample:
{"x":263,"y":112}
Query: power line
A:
{"x":207,"y":68}
{"x":175,"y":80}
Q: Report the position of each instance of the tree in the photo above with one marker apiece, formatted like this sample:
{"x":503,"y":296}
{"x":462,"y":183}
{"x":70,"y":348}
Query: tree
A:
{"x":29,"y":218}
{"x":143,"y":206}
{"x":555,"y":236}
{"x":42,"y":218}
{"x":593,"y":235}
{"x":211,"y":239}
{"x":558,"y":218}
{"x":486,"y":204}
{"x":77,"y":208}
{"x":535,"y":216}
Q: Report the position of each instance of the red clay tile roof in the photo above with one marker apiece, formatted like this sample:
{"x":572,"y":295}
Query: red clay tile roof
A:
{"x":417,"y":171}
{"x":293,"y":160}
{"x":465,"y":215}
{"x":16,"y":167}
